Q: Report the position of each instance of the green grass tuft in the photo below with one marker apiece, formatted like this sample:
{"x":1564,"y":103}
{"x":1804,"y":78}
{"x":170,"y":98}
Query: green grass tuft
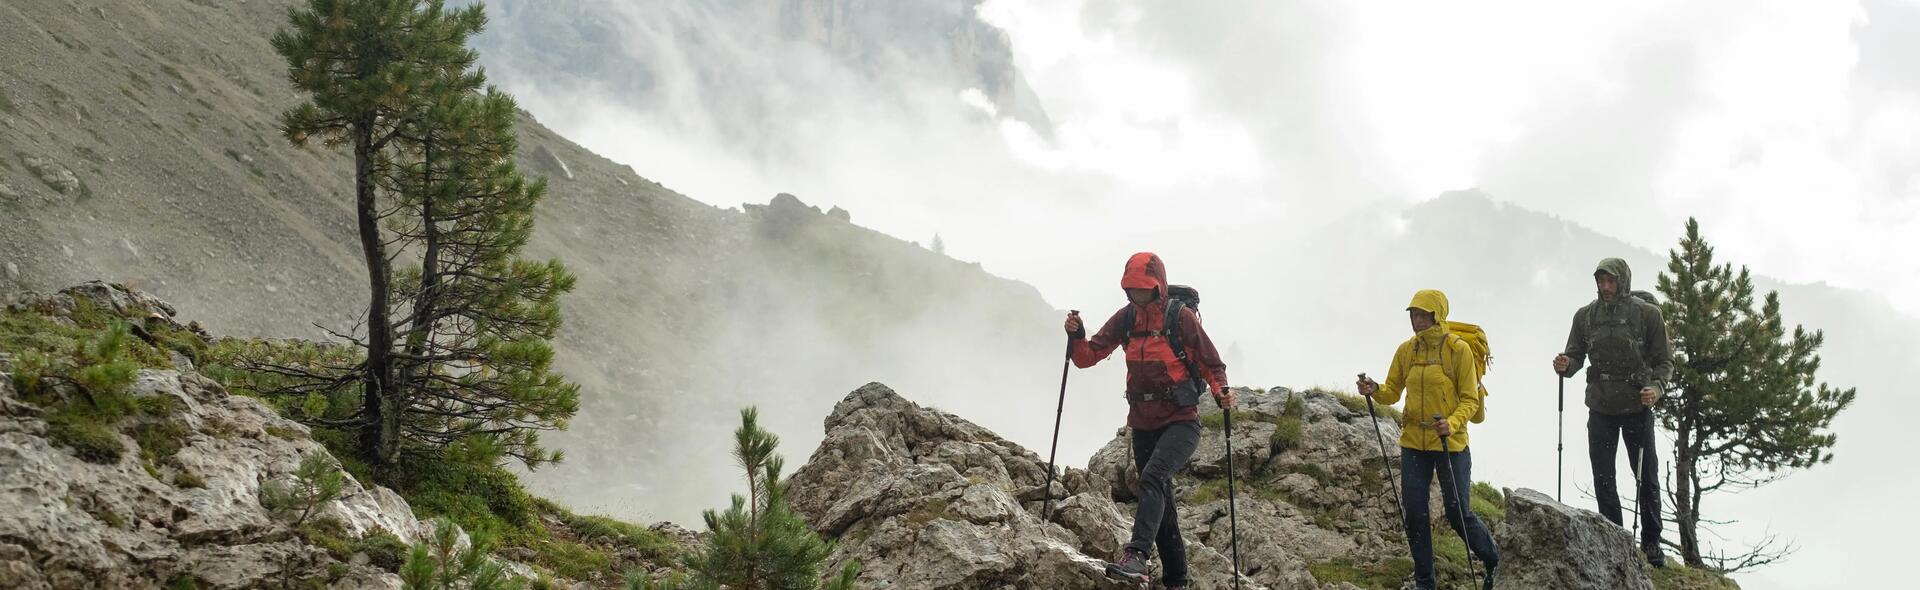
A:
{"x":159,"y":441}
{"x":1213,"y":421}
{"x":384,"y":549}
{"x":1489,"y":503}
{"x":1680,"y":577}
{"x":478,"y":497}
{"x":1382,"y":575}
{"x":1288,"y":432}
{"x":569,"y":559}
{"x":79,"y":373}
{"x":602,"y":529}
{"x":90,"y":440}
{"x":1358,"y":405}
{"x":927,"y":512}
{"x":1450,"y":556}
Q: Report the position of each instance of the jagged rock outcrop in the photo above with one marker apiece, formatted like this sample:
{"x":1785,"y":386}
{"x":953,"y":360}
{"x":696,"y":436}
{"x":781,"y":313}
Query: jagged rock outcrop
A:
{"x":1310,"y":487}
{"x":925,"y":499}
{"x":141,"y":521}
{"x":1550,"y":545}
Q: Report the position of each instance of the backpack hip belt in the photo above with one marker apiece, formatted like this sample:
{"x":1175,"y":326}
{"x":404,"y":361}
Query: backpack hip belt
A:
{"x":1184,"y":393}
{"x":1633,"y":377}
{"x":1134,"y":398}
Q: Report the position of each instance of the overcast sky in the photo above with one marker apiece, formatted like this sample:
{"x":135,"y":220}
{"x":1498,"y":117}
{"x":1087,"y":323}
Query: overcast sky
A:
{"x":1793,"y":126}
{"x":1205,"y":130}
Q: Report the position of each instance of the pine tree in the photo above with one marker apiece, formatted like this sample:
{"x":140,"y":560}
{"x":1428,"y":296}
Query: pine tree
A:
{"x":759,"y":543}
{"x":938,"y":245}
{"x":456,"y":354}
{"x":440,"y":563}
{"x":1744,"y":407}
{"x":476,"y":368}
{"x":360,"y":61}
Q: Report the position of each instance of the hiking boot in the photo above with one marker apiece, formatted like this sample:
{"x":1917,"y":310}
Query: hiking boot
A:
{"x":1132,"y":567}
{"x":1655,"y":557}
{"x":1488,"y":583}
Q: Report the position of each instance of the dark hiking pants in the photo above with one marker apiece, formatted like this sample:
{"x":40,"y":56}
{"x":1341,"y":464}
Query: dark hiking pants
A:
{"x":1417,"y":469}
{"x":1157,"y":454}
{"x":1604,"y":434}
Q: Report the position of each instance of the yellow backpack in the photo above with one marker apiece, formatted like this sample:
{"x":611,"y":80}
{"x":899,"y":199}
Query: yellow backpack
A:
{"x":1476,"y":339}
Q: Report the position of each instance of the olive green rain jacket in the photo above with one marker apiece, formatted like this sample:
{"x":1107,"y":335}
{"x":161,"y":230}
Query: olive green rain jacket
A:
{"x":1625,"y":339}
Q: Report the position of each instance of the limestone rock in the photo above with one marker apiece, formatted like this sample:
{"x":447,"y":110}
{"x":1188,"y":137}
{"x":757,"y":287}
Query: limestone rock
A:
{"x":131,"y":523}
{"x":1546,"y":544}
{"x":56,"y":176}
{"x":924,"y":499}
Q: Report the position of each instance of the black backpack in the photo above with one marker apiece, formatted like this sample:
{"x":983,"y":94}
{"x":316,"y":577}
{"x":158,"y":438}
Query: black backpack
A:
{"x":1178,"y":296}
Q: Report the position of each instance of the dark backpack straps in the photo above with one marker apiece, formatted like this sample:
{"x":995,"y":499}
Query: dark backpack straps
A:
{"x":1179,"y":347}
{"x":1171,"y":328}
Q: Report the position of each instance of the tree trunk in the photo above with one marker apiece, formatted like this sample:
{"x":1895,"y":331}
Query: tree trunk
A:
{"x":1686,"y":506}
{"x":420,"y":329}
{"x":379,"y":437}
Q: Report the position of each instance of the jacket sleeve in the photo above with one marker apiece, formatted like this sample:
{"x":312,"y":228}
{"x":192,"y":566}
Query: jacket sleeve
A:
{"x":1089,"y":352}
{"x":1659,"y":350}
{"x":1465,"y":387}
{"x":1396,"y":382}
{"x":1201,"y":350}
{"x":1576,"y":343}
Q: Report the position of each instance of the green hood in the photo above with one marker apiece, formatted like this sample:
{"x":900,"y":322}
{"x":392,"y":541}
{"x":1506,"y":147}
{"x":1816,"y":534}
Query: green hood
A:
{"x":1620,"y":271}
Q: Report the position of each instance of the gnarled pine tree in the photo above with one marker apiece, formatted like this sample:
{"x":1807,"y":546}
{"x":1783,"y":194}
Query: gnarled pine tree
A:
{"x":456,"y":352}
{"x":1745,"y":409}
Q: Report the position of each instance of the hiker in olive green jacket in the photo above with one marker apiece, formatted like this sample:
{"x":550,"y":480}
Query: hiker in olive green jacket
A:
{"x":1625,"y":339}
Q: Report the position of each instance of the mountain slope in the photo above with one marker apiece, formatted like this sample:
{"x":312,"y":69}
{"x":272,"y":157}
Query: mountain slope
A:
{"x":164,"y":115}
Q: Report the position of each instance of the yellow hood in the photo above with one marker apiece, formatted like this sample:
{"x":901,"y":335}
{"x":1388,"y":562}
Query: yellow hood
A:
{"x":1431,"y":301}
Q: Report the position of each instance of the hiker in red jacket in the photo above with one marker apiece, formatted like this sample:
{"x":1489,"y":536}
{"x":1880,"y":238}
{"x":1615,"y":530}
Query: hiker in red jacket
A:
{"x":1163,"y":393}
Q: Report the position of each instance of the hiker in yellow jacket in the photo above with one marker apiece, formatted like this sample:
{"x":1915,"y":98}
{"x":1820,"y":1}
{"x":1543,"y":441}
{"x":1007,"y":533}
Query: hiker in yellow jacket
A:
{"x":1437,"y":372}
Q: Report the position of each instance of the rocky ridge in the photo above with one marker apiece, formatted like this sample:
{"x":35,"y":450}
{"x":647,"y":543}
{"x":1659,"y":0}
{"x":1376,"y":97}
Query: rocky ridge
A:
{"x":925,"y":499}
{"x":131,"y":522}
{"x":176,"y":492}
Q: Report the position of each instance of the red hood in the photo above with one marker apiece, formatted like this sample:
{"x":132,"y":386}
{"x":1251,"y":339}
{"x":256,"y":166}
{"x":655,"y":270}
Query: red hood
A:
{"x":1145,"y":271}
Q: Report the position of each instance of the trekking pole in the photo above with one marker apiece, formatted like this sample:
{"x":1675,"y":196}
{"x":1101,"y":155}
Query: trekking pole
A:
{"x":1393,"y":480}
{"x":1459,"y":501}
{"x":1636,"y":492}
{"x":1046,"y":510}
{"x":1560,"y":446}
{"x":1233,"y":520}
